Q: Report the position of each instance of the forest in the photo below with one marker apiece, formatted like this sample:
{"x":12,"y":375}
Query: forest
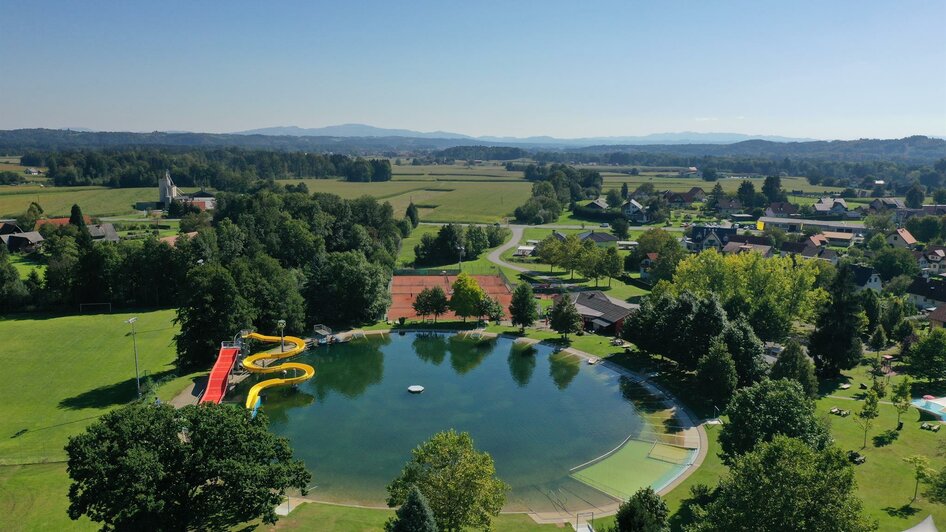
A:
{"x":231,"y":169}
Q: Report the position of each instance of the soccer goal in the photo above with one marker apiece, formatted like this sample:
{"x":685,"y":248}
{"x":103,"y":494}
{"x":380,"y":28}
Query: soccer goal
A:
{"x":95,"y":308}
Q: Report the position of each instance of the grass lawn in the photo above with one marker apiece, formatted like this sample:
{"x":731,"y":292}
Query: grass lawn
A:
{"x":24,"y":264}
{"x":61,"y":373}
{"x":53,"y":390}
{"x":344,"y":519}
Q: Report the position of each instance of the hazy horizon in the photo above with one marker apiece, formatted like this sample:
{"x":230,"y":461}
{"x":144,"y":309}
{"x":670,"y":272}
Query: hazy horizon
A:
{"x":839,"y":70}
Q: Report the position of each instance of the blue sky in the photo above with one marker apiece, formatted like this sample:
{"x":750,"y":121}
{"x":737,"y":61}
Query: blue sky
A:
{"x":838,"y":69}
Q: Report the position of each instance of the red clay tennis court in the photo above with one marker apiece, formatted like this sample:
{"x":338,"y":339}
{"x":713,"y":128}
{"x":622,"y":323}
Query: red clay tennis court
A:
{"x":404,"y":288}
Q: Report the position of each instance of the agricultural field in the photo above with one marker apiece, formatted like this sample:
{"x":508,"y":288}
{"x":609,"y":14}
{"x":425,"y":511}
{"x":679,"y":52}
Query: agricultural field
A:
{"x":57,"y":201}
{"x":441,"y":201}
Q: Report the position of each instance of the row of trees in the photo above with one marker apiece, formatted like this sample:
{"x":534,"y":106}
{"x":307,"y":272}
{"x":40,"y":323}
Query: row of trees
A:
{"x":467,"y":300}
{"x":589,"y":260}
{"x":232,"y":169}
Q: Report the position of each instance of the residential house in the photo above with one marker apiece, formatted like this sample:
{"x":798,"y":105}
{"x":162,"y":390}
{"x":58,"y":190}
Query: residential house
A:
{"x":685,"y":199}
{"x":931,"y":260}
{"x":26,"y":242}
{"x":820,"y":253}
{"x":103,"y":232}
{"x":901,"y":238}
{"x":831,"y":207}
{"x":728,"y":206}
{"x":836,"y":238}
{"x":733,"y":248}
{"x":599,"y":204}
{"x":642,"y":194}
{"x":703,"y":237}
{"x":599,"y":312}
{"x":8,"y":228}
{"x":937,"y":317}
{"x":600,"y":239}
{"x":635,"y":212}
{"x":647,"y":264}
{"x":865,"y":278}
{"x":692,"y":171}
{"x":926,"y":292}
{"x":59,"y":222}
{"x":31,"y":171}
{"x":882,"y":204}
{"x":782,"y":208}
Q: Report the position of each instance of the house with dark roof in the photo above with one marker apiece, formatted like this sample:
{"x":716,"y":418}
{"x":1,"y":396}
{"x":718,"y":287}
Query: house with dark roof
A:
{"x":103,"y":232}
{"x":600,"y":313}
{"x":599,"y":204}
{"x":751,"y":239}
{"x":820,"y":253}
{"x":927,"y":292}
{"x":734,"y":248}
{"x":703,"y":237}
{"x":8,"y":228}
{"x":684,"y":199}
{"x":782,"y":209}
{"x":635,"y":212}
{"x":865,"y":278}
{"x":728,"y":206}
{"x":600,"y":239}
{"x":882,"y":204}
{"x":830,"y":207}
{"x":26,"y":242}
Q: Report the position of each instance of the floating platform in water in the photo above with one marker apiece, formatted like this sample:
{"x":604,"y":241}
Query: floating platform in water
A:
{"x":415,"y":388}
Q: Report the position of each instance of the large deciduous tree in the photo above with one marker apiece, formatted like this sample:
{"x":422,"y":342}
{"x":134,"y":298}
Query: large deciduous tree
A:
{"x":522,"y":309}
{"x":459,"y":482}
{"x":154,"y":467}
{"x":345,"y":289}
{"x":786,"y":486}
{"x":564,"y":317}
{"x":213,"y":310}
{"x":467,"y":296}
{"x":928,"y":356}
{"x":645,"y":511}
{"x":768,"y":409}
{"x":716,"y":374}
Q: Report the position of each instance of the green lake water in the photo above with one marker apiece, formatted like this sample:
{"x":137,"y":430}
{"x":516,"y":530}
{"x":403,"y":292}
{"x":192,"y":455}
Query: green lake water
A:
{"x":536,"y":412}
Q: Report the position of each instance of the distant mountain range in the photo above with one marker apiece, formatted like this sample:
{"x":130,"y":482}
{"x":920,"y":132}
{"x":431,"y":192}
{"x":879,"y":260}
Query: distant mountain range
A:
{"x":363,"y":130}
{"x":915,"y":149}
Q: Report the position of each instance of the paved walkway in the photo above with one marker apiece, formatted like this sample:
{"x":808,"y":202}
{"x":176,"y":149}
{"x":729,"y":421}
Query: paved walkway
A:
{"x":495,"y":256}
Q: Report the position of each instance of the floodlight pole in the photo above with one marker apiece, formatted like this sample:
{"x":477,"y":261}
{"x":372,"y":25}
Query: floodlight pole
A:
{"x":460,"y":249}
{"x":134,"y":339}
{"x":282,"y":342}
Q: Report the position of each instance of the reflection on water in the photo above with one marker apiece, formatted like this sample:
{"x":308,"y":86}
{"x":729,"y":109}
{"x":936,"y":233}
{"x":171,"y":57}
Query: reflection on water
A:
{"x":466,"y":354}
{"x":521,"y":362}
{"x":286,"y":398}
{"x":349,"y":372}
{"x":563,"y":368}
{"x":430,"y":347}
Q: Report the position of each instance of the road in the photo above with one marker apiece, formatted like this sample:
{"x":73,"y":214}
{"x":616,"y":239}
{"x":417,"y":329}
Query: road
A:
{"x":495,"y":255}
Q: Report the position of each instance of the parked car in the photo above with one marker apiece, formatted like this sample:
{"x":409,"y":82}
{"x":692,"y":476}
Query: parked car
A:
{"x":604,"y":225}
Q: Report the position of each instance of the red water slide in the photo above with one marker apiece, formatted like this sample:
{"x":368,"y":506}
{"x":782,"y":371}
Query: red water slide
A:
{"x":219,"y":375}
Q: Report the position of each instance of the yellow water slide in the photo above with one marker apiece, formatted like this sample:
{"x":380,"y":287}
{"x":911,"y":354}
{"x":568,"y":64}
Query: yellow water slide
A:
{"x":250,"y":363}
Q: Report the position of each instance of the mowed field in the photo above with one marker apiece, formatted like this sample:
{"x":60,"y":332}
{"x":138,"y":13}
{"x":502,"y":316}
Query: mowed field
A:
{"x":57,"y":201}
{"x":60,"y":375}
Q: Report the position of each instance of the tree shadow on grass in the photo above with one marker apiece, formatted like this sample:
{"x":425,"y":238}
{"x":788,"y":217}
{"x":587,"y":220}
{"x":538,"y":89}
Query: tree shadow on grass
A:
{"x":902,"y":512}
{"x":885,"y":438}
{"x":111,"y":394}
